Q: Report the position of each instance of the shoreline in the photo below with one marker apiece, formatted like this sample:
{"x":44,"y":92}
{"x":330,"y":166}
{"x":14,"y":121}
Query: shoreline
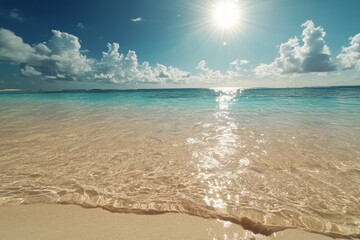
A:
{"x":105,"y":90}
{"x":57,"y":221}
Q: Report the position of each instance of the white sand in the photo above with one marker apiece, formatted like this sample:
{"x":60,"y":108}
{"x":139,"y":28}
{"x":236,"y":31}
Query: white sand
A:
{"x":73,"y":222}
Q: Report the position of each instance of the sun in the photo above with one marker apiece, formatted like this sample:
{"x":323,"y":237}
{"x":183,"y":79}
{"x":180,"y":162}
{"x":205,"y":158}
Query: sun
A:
{"x":226,"y":14}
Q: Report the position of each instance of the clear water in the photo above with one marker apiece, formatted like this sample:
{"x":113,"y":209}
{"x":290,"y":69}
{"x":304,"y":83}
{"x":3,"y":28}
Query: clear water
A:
{"x":267,"y":159}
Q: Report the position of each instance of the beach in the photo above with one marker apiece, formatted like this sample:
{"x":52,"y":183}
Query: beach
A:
{"x":218,"y":120}
{"x":271,"y":161}
{"x":37,"y":222}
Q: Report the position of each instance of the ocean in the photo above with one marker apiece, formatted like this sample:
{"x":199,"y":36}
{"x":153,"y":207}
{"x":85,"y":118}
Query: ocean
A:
{"x":268,"y":159}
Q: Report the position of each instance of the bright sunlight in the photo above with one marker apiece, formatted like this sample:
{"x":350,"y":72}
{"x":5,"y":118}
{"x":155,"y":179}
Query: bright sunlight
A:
{"x":226,"y":14}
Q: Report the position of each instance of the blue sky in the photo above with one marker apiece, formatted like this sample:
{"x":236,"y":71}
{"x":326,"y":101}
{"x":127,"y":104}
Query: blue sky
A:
{"x":86,"y":44}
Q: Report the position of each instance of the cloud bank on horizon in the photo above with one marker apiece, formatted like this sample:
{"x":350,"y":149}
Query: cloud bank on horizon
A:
{"x":61,"y":59}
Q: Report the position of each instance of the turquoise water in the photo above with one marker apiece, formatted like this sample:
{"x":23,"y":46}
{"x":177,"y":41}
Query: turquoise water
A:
{"x":333,"y":108}
{"x":284,"y":158}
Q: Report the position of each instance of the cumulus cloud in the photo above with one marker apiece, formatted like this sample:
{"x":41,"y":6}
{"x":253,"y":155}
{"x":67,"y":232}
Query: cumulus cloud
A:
{"x":170,"y":73}
{"x":207,"y":74}
{"x":65,"y":56}
{"x":12,"y":47}
{"x":15,"y":14}
{"x":237,"y":67}
{"x":312,"y":56}
{"x":139,"y":19}
{"x":237,"y":71}
{"x":349,"y":58}
{"x":61,"y":58}
{"x":28,"y":71}
{"x":117,"y":68}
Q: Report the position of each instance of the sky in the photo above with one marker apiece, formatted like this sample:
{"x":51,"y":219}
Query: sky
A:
{"x":88,"y":44}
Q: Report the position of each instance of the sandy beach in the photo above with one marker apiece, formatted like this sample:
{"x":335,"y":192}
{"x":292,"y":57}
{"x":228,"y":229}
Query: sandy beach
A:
{"x":74,"y":222}
{"x":220,"y":119}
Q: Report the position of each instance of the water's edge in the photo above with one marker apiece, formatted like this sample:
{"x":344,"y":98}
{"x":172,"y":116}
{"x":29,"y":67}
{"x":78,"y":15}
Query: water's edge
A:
{"x":245,"y":222}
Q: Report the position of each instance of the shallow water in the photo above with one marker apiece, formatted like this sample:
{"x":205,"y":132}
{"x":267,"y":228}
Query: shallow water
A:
{"x":282,"y":158}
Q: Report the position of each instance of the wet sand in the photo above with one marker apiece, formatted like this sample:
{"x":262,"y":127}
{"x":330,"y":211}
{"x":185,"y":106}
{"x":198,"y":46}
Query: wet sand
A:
{"x":74,"y":222}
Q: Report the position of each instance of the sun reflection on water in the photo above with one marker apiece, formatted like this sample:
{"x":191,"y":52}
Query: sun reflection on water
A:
{"x":216,"y":148}
{"x":226,"y":97}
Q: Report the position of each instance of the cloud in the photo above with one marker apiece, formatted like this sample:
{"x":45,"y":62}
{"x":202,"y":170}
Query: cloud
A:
{"x":139,"y":19}
{"x":238,"y":65}
{"x":28,"y":71}
{"x":312,"y":56}
{"x":15,"y":14}
{"x":237,"y":72}
{"x":65,"y":55}
{"x":239,"y":62}
{"x":80,"y":25}
{"x":170,"y":74}
{"x":115,"y":67}
{"x":349,"y":58}
{"x":238,"y":69}
{"x":60,"y":56}
{"x":208,"y":74}
{"x":12,"y":47}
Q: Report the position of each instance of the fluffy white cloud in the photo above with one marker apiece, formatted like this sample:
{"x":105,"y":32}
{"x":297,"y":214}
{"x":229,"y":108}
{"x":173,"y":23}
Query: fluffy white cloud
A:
{"x":267,"y":70}
{"x":208,"y":74}
{"x":237,"y":72}
{"x":28,"y":71}
{"x":61,"y":58}
{"x":238,"y":69}
{"x":12,"y":47}
{"x":313,"y":56}
{"x":112,"y":56}
{"x":65,"y":55}
{"x":170,"y":74}
{"x":42,"y":49}
{"x":349,"y":58}
{"x":15,"y":14}
{"x":116,"y":68}
{"x":238,"y":62}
